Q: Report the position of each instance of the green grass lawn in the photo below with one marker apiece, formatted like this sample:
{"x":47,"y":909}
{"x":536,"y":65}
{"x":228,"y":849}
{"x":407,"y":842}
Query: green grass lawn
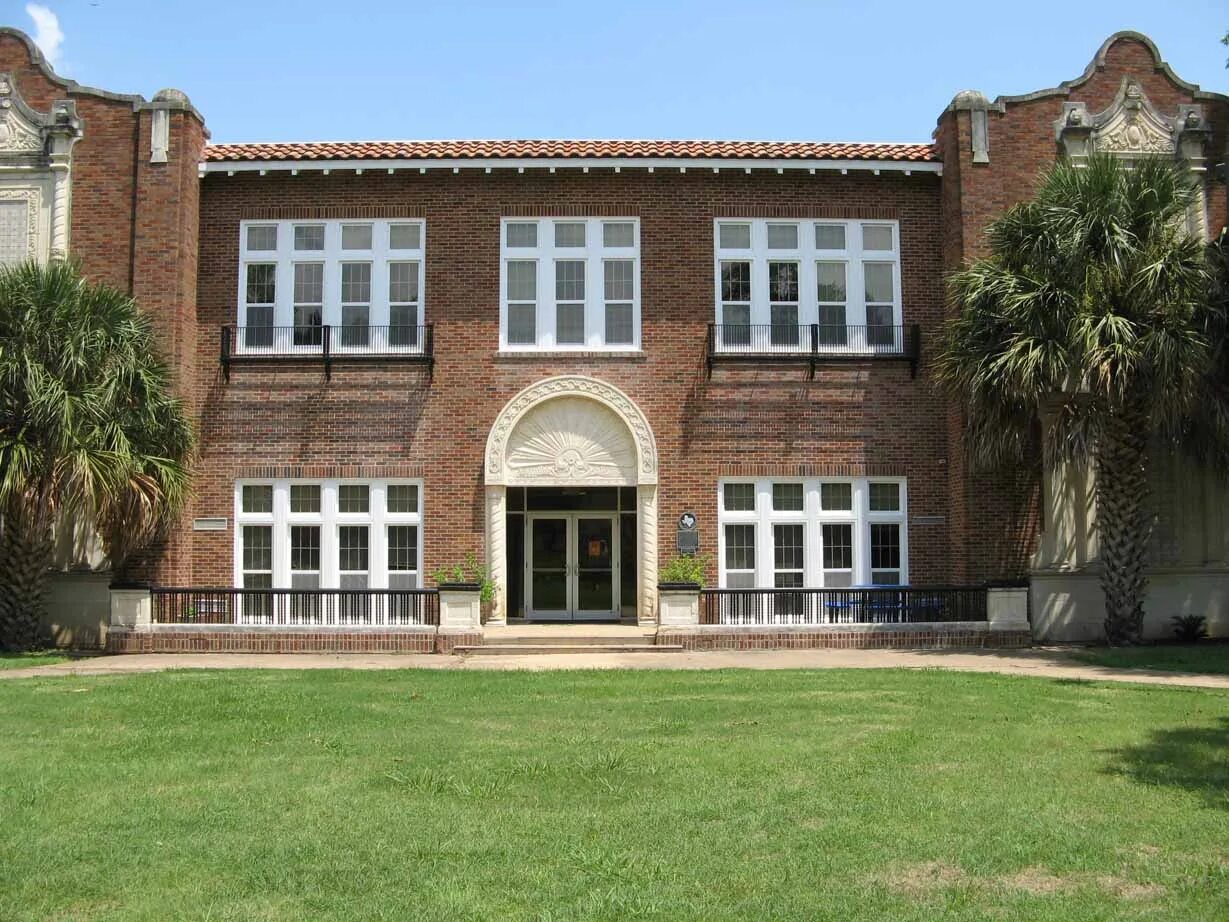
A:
{"x":28,"y":660}
{"x":616,"y":795}
{"x":1209,"y":656}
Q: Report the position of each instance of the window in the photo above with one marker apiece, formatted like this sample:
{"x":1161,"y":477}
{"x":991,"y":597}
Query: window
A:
{"x":775,"y":279}
{"x":363,"y":277}
{"x":816,"y":532}
{"x":570,"y":283}
{"x":14,"y":232}
{"x":328,"y":534}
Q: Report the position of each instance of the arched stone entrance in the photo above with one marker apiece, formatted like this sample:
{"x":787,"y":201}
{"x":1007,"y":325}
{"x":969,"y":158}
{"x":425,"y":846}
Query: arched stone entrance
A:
{"x":572,"y":431}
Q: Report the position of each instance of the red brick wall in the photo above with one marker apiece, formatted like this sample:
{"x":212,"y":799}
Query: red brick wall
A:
{"x":870,"y":417}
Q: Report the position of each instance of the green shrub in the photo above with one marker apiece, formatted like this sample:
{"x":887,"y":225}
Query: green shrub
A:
{"x":471,"y":571}
{"x":1190,"y":628}
{"x":684,"y":569}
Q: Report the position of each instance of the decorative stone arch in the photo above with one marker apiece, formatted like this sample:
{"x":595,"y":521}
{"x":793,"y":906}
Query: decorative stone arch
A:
{"x":572,"y":430}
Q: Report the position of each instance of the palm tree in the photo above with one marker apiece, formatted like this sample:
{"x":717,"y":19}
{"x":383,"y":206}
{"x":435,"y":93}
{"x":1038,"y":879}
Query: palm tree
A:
{"x":90,"y":432}
{"x":1094,"y":315}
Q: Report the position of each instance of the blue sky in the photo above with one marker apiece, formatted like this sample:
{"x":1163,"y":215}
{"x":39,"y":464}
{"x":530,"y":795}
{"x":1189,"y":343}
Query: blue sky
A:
{"x":876,"y":71}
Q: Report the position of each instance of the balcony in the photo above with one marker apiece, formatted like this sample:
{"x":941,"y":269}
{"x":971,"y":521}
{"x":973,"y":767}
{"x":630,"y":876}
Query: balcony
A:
{"x":812,"y":344}
{"x":328,"y":345}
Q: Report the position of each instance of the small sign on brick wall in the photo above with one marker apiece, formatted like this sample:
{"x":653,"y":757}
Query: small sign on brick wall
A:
{"x":688,"y":541}
{"x":214,"y":523}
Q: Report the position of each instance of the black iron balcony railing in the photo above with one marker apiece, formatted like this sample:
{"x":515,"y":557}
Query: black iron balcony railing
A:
{"x":871,"y":605}
{"x":327,"y":344}
{"x":812,"y":343}
{"x":324,"y":607}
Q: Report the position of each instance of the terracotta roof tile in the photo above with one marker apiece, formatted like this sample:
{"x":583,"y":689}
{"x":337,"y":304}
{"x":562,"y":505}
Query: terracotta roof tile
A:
{"x":450,"y":150}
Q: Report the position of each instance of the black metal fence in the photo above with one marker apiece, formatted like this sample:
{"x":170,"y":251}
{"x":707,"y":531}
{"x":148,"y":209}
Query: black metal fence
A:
{"x":812,"y":343}
{"x":328,"y":344}
{"x":347,"y":607}
{"x":887,"y":605}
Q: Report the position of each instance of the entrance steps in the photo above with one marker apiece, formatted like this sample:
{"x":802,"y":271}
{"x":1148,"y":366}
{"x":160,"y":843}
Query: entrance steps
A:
{"x":529,"y":639}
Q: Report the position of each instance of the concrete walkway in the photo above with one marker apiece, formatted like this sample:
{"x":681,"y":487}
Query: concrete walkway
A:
{"x":1045,"y":663}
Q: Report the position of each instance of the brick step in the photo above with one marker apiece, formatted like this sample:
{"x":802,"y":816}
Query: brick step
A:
{"x":527,"y":649}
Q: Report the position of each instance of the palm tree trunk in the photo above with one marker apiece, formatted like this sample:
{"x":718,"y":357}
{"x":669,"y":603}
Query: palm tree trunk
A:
{"x":1124,"y":525}
{"x":25,"y":558}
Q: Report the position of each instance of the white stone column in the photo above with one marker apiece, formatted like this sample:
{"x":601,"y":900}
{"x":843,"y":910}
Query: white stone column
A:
{"x":678,"y":605}
{"x":497,"y":556}
{"x":646,"y":543}
{"x":460,"y":608}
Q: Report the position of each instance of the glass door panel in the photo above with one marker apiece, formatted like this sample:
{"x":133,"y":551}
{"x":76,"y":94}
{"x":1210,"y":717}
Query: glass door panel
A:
{"x":548,"y":562}
{"x":595,"y":567}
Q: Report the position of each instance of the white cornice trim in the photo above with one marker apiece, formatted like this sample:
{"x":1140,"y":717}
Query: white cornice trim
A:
{"x":682,"y":164}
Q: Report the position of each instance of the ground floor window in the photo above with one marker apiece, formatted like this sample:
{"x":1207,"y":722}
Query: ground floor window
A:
{"x":790,"y":533}
{"x":328,"y":534}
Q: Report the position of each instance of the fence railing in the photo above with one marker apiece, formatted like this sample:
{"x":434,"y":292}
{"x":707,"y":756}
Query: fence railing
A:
{"x":812,"y":343}
{"x":326,"y":343}
{"x":324,"y":607}
{"x":879,"y":605}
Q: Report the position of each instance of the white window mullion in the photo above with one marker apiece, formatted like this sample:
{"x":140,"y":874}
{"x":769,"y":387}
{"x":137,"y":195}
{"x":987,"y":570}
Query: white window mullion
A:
{"x":377,"y":542}
{"x":328,"y":535}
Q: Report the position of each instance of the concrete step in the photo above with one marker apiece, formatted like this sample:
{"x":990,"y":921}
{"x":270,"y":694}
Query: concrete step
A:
{"x":569,"y":640}
{"x":527,"y":649}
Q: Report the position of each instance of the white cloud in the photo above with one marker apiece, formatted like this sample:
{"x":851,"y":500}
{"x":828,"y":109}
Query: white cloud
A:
{"x":47,"y":33}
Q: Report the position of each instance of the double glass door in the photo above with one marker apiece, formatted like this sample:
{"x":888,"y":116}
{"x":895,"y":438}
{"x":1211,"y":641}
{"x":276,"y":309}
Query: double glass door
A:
{"x":571,"y":566}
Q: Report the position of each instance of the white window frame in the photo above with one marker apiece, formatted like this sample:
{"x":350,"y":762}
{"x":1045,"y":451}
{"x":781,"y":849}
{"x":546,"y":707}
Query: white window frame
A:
{"x":545,"y":255}
{"x":813,"y":518}
{"x":808,"y":256}
{"x":285,"y":256}
{"x":329,"y":519}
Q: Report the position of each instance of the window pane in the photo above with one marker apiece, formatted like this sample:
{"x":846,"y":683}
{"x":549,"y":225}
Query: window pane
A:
{"x":619,"y":327}
{"x":787,"y":543}
{"x":522,"y":324}
{"x":262,"y":237}
{"x":877,"y":237}
{"x":783,"y":281}
{"x":305,"y":547}
{"x":739,"y":497}
{"x":402,"y":282}
{"x":570,"y":324}
{"x":402,"y":497}
{"x":356,"y":283}
{"x":838,"y":547}
{"x":308,"y":283}
{"x":740,"y":580}
{"x":352,"y":548}
{"x":522,"y":234}
{"x":353,"y":497}
{"x":885,"y":497}
{"x":261,"y":283}
{"x":305,"y":497}
{"x":404,"y":318}
{"x":356,"y":236}
{"x":257,"y":497}
{"x":619,"y":279}
{"x":782,"y":236}
{"x":522,"y":280}
{"x":736,"y":281}
{"x":830,"y":236}
{"x":309,"y":236}
{"x":885,"y":547}
{"x":355,"y":325}
{"x":734,"y":236}
{"x":259,"y":316}
{"x":740,"y":547}
{"x":618,"y":234}
{"x":569,"y":233}
{"x":402,"y":547}
{"x":736,"y":315}
{"x":570,"y":280}
{"x":787,"y":497}
{"x":404,"y":237}
{"x":831,"y":279}
{"x":836,"y":497}
{"x":257,"y":547}
{"x":878,"y":282}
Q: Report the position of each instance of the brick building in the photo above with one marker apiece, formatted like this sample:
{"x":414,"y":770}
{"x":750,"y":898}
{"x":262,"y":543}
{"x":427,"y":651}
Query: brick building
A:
{"x":567,"y":357}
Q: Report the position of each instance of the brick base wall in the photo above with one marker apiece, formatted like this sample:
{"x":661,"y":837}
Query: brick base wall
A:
{"x":768,"y":638}
{"x":180,"y":641}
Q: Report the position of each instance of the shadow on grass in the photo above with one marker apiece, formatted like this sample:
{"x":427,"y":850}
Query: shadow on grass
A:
{"x":1194,"y":759}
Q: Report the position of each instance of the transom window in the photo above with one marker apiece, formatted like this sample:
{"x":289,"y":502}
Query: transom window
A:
{"x":780,"y":284}
{"x":328,"y":535}
{"x":789,"y":533}
{"x":570,"y":283}
{"x":363,"y":277}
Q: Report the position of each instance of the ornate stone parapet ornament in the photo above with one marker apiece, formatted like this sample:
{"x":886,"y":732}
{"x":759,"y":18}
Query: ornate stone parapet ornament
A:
{"x":35,"y":176}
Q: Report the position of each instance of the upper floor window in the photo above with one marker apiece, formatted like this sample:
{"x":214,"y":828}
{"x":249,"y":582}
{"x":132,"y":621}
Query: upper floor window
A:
{"x":570,"y":283}
{"x":362,"y":277}
{"x":781,"y":283}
